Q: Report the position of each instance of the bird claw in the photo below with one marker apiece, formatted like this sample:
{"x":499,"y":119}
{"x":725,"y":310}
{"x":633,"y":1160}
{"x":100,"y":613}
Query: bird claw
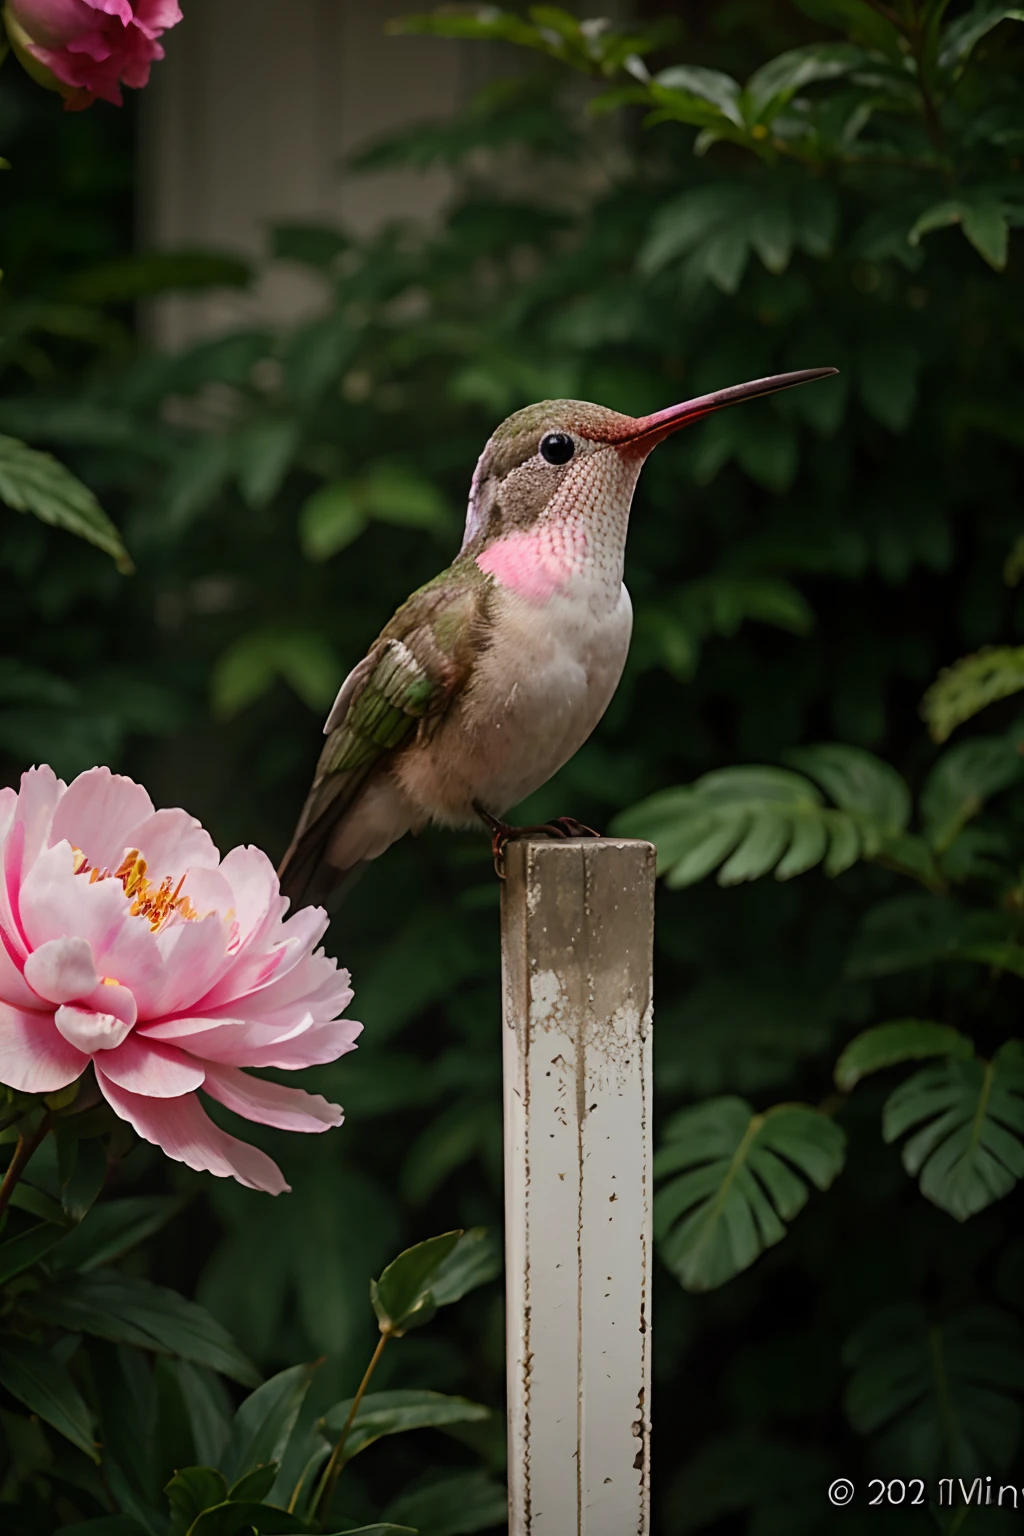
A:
{"x":502,"y":833}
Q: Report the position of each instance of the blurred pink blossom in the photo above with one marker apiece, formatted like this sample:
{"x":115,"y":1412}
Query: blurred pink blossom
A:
{"x":89,"y":48}
{"x":128,"y":943}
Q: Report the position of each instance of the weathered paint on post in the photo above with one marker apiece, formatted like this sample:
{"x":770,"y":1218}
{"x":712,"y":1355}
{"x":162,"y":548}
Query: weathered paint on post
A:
{"x":577,"y":935}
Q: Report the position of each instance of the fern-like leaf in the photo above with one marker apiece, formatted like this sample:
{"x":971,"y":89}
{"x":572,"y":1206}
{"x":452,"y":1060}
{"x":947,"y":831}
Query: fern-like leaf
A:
{"x":969,"y":1143}
{"x":738,"y":1178}
{"x":36,"y":482}
{"x":971,"y":685}
{"x":758,"y":819}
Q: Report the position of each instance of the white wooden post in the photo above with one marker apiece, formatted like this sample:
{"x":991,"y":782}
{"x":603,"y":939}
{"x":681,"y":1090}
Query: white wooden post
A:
{"x":577,"y":932}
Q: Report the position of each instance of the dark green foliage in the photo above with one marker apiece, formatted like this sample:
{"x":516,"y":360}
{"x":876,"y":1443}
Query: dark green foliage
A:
{"x":806,"y":570}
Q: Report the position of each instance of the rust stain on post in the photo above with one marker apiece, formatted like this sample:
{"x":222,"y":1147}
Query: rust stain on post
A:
{"x":577,"y":935}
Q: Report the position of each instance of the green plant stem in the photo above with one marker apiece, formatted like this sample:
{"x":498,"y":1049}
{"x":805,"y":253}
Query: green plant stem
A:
{"x":333,"y":1467}
{"x":23,"y":1150}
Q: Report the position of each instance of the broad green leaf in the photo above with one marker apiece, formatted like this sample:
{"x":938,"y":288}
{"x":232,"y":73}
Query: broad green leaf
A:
{"x":264,"y":451}
{"x":36,"y":482}
{"x":314,"y":245}
{"x":886,"y":1045}
{"x":85,"y":1180}
{"x":982,"y":219}
{"x":395,"y":492}
{"x":265,"y":1421}
{"x":736,"y":1178}
{"x":402,"y":1296}
{"x":189,"y":1492}
{"x":21,"y":1252}
{"x":255,"y":1485}
{"x":452,"y":1506}
{"x":962,"y":780}
{"x":965,"y":32}
{"x":113,"y":1228}
{"x":249,"y":668}
{"x":146,"y":273}
{"x":39,"y":1380}
{"x":942,"y":1393}
{"x":208,"y":1408}
{"x":970,"y":685}
{"x":392,"y":1413}
{"x":127,"y":1310}
{"x":969,"y":1143}
{"x":329,"y":520}
{"x":237,"y":1519}
{"x":709,"y":85}
{"x":475,"y":1260}
{"x":776,"y":82}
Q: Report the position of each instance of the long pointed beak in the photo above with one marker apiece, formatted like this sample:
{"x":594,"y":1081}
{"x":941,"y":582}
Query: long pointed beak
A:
{"x":646,"y":431}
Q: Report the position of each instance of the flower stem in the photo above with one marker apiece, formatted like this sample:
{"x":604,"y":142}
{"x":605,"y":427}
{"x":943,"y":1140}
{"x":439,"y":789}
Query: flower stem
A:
{"x":333,"y":1467}
{"x":23,"y":1150}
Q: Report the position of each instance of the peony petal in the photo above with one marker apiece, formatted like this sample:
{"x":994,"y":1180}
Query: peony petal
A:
{"x":290,"y":1109}
{"x":156,"y":1071}
{"x":13,"y":986}
{"x":109,"y":997}
{"x":183,"y":1130}
{"x":191,"y":953}
{"x":255,"y":892}
{"x":97,"y":814}
{"x":172,"y":842}
{"x":316,"y":1046}
{"x":155,"y":16}
{"x":34,"y":1056}
{"x":90,"y":1031}
{"x":61,"y":970}
{"x":37,"y":801}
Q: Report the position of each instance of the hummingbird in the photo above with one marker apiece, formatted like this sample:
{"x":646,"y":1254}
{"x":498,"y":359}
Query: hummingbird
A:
{"x":492,"y":675}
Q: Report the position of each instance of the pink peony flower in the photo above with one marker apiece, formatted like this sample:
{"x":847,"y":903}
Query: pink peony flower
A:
{"x":89,"y":48}
{"x":127,"y":943}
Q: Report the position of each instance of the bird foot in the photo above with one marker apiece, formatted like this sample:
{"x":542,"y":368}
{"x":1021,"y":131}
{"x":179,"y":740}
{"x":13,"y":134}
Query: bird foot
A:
{"x":502,"y":833}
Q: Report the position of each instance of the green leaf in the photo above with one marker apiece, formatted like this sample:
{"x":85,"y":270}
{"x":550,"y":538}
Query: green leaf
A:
{"x":330,"y":520}
{"x":249,"y":668}
{"x":858,"y":782}
{"x":113,"y":1228}
{"x":238,"y":1519}
{"x":314,"y":245}
{"x":982,"y":219}
{"x":752,"y":820}
{"x":392,"y":1413}
{"x":36,"y":482}
{"x":941,"y":1393}
{"x":402,"y":1297}
{"x":887,"y":1045}
{"x":189,"y":1492}
{"x":264,"y":451}
{"x":452,"y":1506}
{"x":20,"y":1253}
{"x":970,"y":685}
{"x":86,"y":1179}
{"x":709,"y":85}
{"x":146,"y":273}
{"x":127,"y":1310}
{"x":737,"y":1180}
{"x":255,"y":1485}
{"x":475,"y":1260}
{"x":775,"y":83}
{"x":264,"y":1422}
{"x":962,"y":780}
{"x":968,"y":1147}
{"x":962,"y":35}
{"x":45,"y":1387}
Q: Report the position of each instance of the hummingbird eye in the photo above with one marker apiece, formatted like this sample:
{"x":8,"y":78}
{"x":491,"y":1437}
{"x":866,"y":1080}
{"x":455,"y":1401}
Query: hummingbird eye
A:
{"x":557,"y":447}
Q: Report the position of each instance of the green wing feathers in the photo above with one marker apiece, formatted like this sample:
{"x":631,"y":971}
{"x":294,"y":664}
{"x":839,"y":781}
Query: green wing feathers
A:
{"x":412,"y":672}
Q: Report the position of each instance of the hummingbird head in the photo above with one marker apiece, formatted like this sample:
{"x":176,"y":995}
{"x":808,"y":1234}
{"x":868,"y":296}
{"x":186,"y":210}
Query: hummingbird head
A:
{"x":553,"y":486}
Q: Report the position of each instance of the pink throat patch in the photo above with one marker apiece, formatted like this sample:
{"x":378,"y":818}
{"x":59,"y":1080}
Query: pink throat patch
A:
{"x":531,"y":564}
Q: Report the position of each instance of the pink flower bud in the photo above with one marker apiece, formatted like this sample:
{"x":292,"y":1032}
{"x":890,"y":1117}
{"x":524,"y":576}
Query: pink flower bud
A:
{"x":88,"y":48}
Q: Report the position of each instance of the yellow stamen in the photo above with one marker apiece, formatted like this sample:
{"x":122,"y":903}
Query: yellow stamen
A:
{"x":155,"y":903}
